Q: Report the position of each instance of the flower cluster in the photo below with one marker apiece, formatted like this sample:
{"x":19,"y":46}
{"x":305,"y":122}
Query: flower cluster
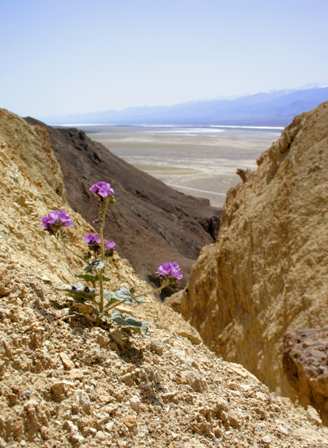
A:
{"x":103,"y":302}
{"x":170,"y":271}
{"x":102,"y":189}
{"x":55,"y":220}
{"x":93,"y":240}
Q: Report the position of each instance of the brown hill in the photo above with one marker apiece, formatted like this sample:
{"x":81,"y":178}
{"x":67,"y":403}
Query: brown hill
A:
{"x":151,"y":222}
{"x":65,"y":383}
{"x":268,"y":272}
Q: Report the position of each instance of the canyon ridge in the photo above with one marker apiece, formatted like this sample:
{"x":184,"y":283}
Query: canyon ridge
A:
{"x":259,"y":295}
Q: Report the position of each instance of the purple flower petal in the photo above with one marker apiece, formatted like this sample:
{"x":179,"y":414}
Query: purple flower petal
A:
{"x":55,"y":220}
{"x":170,"y":270}
{"x":110,"y":245}
{"x":102,"y":189}
{"x":64,"y":218}
{"x":92,"y":239}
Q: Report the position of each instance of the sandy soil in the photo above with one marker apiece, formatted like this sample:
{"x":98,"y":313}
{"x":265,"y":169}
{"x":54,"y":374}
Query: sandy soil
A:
{"x":197,"y":162}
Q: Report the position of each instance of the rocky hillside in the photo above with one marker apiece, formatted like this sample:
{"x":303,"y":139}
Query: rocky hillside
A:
{"x":151,"y":221}
{"x":268,"y":272}
{"x":67,"y":383}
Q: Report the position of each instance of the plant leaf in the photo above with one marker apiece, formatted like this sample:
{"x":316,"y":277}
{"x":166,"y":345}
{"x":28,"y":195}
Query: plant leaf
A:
{"x":88,"y":277}
{"x":127,"y":295}
{"x":96,"y":265}
{"x":111,"y":297}
{"x":124,"y":294}
{"x":124,"y":320}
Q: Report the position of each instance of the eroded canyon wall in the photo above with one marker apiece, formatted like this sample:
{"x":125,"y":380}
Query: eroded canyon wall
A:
{"x":268,"y":273}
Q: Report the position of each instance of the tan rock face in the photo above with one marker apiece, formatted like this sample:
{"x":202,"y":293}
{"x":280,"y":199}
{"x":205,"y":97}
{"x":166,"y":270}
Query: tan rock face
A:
{"x":268,"y":273}
{"x":67,"y":383}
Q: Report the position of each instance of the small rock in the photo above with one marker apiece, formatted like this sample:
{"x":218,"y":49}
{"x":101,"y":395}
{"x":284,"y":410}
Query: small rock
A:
{"x":74,"y":434}
{"x":59,"y":390}
{"x":128,"y":379}
{"x":156,"y":347}
{"x":7,"y":349}
{"x":101,"y":435}
{"x":169,"y":397}
{"x":198,"y":384}
{"x":36,"y":337}
{"x":83,"y":400}
{"x":221,"y":405}
{"x":92,"y":431}
{"x":130,"y":421}
{"x":234,"y":419}
{"x":266,"y":440}
{"x":191,"y":335}
{"x":102,"y":340}
{"x":217,"y":431}
{"x":109,"y":426}
{"x":67,"y":362}
{"x":203,"y":428}
{"x":283,"y":429}
{"x":135,"y":403}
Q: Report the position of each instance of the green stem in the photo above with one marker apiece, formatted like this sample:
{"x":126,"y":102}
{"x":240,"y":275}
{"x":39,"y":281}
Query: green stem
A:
{"x":102,"y":218}
{"x":110,"y":307}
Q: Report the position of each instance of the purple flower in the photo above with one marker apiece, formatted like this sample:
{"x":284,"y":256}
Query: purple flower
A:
{"x":110,"y":246}
{"x":92,"y":239}
{"x":102,"y":189}
{"x":170,"y":270}
{"x":55,"y":220}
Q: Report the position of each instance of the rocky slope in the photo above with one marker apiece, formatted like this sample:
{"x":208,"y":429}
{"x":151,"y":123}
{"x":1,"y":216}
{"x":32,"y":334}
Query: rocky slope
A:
{"x":66,"y":383}
{"x":268,"y":272}
{"x":151,"y":222}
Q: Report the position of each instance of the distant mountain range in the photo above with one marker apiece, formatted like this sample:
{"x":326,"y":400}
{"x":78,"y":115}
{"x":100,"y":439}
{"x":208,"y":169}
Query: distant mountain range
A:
{"x":263,"y":109}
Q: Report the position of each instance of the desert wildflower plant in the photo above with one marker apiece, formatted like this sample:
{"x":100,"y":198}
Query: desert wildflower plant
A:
{"x":91,"y":298}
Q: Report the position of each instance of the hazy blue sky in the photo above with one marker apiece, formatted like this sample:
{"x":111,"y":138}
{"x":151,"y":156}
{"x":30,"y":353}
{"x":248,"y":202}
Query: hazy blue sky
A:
{"x":60,"y":56}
